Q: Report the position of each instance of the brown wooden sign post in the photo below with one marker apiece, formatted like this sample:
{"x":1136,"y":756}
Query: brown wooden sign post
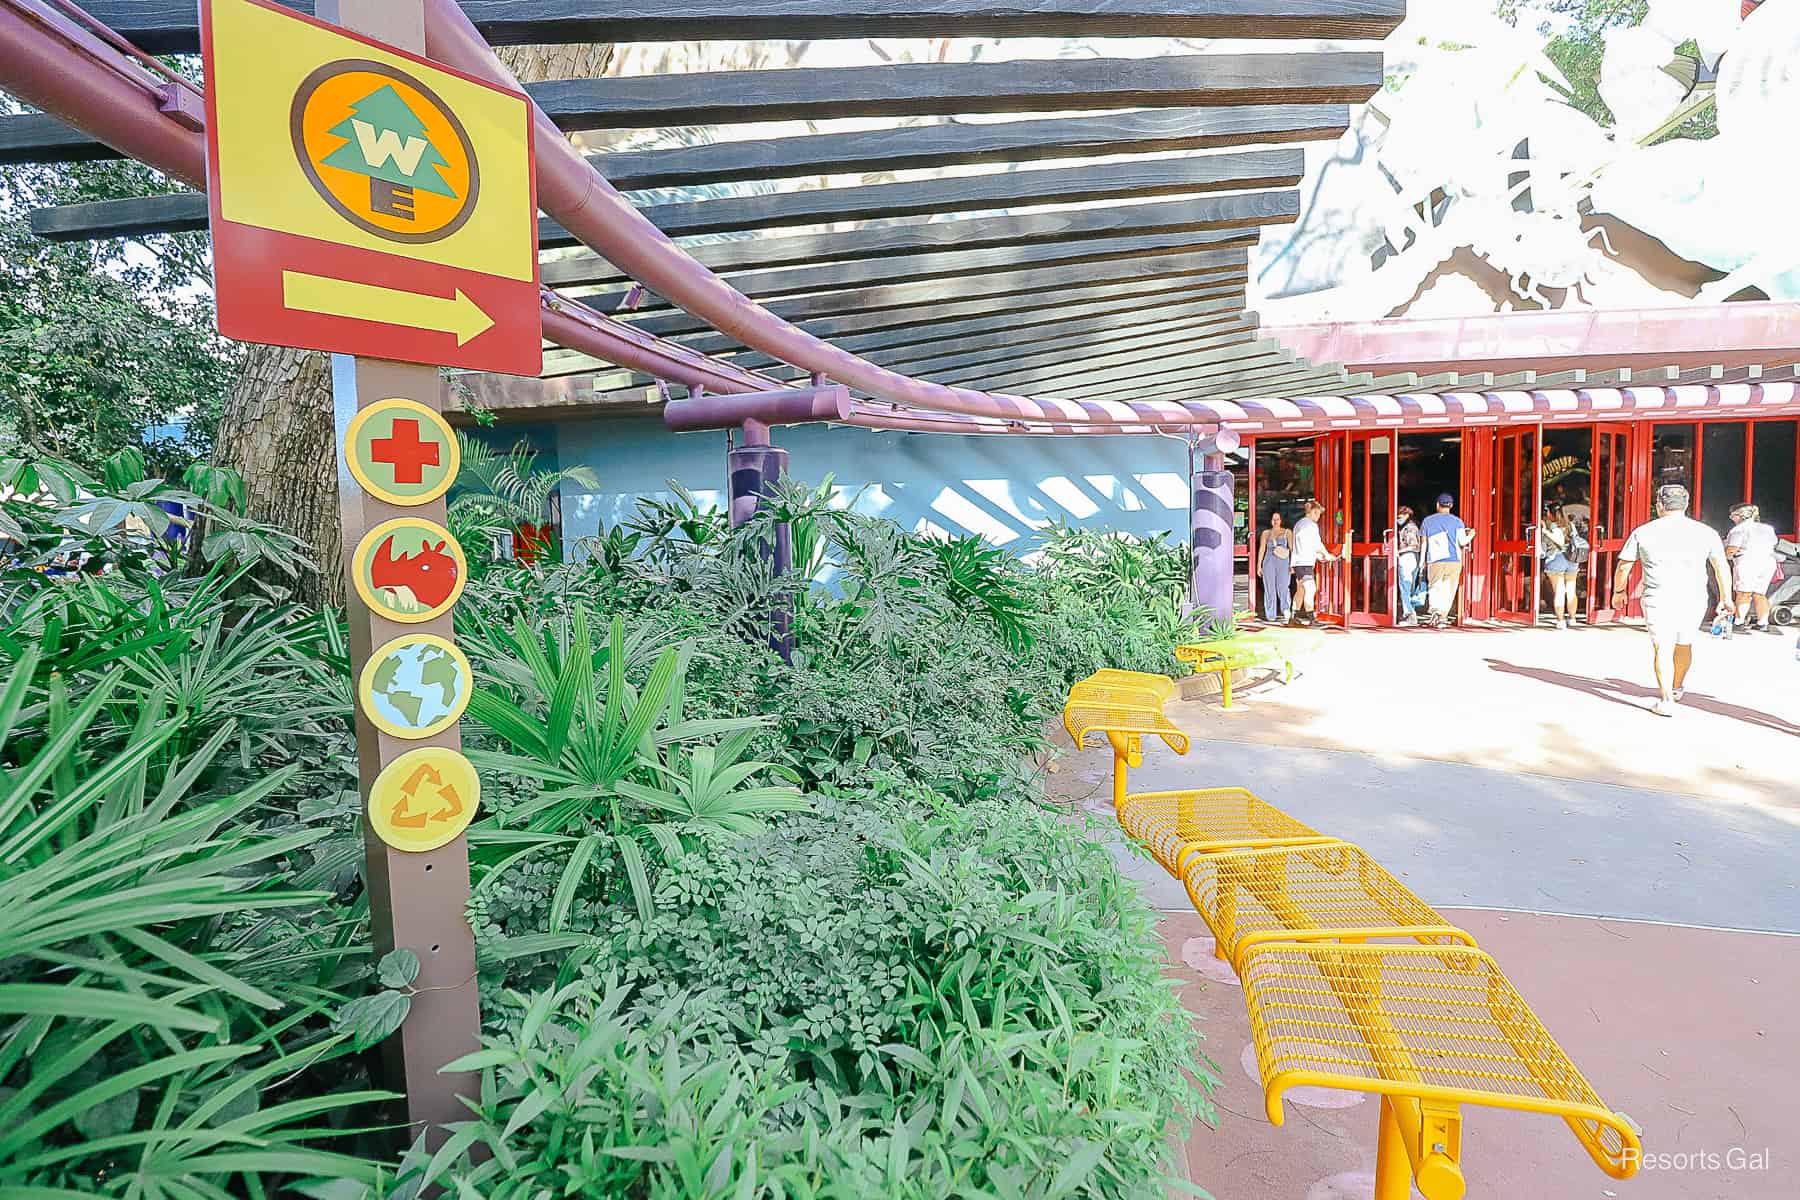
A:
{"x":369,"y":203}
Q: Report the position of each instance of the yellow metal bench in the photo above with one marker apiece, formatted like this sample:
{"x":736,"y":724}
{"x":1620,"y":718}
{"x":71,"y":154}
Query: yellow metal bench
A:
{"x":1162,"y":685}
{"x":1125,"y":706}
{"x":1223,"y":656}
{"x":1429,"y":1029}
{"x":1355,"y":983}
{"x":1324,"y":891}
{"x":1176,"y":825}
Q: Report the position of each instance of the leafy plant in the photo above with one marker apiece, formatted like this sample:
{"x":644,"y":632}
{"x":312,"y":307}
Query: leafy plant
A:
{"x":144,"y":1029}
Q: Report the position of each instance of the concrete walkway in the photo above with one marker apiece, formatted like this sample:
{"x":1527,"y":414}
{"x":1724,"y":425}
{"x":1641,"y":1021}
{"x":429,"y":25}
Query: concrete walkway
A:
{"x":1638,"y":878}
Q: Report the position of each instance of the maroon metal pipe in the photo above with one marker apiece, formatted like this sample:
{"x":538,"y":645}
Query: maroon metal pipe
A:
{"x":783,"y":406}
{"x":66,"y":72}
{"x":580,"y":328}
{"x":570,"y":190}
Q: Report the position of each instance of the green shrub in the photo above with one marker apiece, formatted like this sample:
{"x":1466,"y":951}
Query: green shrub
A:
{"x":899,"y":993}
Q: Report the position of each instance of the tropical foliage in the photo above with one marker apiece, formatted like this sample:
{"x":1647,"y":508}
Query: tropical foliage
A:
{"x":748,"y":924}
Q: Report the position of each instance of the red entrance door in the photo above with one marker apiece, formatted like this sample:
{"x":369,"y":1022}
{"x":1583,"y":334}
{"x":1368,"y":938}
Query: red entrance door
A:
{"x":1331,"y":474}
{"x":1518,"y":482}
{"x":1368,"y":502}
{"x":1609,"y":520}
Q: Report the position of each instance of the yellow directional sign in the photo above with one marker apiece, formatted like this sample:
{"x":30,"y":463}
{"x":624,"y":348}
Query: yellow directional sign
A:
{"x":424,"y":799}
{"x":366,"y":200}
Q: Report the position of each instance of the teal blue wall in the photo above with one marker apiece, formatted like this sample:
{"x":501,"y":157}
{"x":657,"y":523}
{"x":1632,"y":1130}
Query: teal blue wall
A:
{"x":999,"y":487}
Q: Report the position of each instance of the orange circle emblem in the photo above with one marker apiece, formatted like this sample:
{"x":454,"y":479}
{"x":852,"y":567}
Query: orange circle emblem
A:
{"x":384,"y":151}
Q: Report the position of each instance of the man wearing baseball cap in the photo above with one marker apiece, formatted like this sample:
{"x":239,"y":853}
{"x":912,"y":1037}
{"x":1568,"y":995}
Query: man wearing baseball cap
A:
{"x":1674,"y":551}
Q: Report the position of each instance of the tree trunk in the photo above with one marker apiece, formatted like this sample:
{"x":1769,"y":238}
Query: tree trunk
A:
{"x":276,"y":431}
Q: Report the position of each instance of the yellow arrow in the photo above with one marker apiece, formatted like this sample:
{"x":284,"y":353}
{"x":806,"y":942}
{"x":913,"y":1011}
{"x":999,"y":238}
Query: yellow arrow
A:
{"x":371,"y":302}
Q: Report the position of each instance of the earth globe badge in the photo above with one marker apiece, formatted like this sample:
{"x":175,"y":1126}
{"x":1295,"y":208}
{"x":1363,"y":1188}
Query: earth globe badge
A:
{"x":416,"y":686}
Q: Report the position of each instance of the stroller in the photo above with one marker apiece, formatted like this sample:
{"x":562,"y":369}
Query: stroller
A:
{"x":1784,"y":596}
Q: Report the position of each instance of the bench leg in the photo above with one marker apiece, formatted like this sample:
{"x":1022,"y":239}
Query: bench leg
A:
{"x":1225,"y":685}
{"x":1393,"y":1170}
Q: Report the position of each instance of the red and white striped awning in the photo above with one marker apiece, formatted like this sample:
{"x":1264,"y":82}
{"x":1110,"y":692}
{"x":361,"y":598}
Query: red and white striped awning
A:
{"x":1452,"y":409}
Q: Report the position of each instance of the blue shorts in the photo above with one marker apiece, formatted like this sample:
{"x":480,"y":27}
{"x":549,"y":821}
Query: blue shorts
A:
{"x":1559,"y":564}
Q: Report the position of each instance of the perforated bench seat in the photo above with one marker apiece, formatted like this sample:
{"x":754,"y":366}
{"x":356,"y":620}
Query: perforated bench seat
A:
{"x":1162,"y":685}
{"x":1176,"y":825}
{"x":1082,"y":716}
{"x":1432,"y":1026}
{"x":1322,"y":891}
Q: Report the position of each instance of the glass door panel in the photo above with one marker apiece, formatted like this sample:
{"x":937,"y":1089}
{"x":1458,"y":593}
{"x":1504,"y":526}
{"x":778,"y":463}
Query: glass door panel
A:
{"x":1517,"y":485}
{"x":1609,"y":521}
{"x":1369,"y":506}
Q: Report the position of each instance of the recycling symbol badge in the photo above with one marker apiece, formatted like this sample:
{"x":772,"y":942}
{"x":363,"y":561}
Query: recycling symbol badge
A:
{"x":424,"y":799}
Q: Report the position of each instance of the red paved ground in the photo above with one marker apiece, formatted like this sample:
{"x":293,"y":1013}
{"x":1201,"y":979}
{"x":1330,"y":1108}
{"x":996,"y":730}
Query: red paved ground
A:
{"x":1692,"y":1032}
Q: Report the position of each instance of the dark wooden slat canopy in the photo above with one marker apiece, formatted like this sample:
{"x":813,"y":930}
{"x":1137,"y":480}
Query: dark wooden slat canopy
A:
{"x":979,"y":339}
{"x":1052,"y":346}
{"x":1018,"y":284}
{"x":947,"y":89}
{"x":880,"y":238}
{"x":908,"y":90}
{"x":166,"y":26}
{"x":1223,"y":295}
{"x":763,"y":285}
{"x":1098,"y":300}
{"x":935,"y":323}
{"x":1239,"y":170}
{"x":1025,"y":370}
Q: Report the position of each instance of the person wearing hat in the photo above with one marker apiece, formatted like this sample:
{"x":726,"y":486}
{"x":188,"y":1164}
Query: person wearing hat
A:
{"x":1446,"y":537}
{"x":1674,"y":551}
{"x":1751,"y":548}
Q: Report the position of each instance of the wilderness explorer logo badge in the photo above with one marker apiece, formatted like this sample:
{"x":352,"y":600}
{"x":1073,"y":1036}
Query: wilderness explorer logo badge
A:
{"x":384,"y":151}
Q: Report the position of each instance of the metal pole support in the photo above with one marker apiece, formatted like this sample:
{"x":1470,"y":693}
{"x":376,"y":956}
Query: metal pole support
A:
{"x":1419,"y":1142}
{"x":1212,"y":534}
{"x":752,"y":470}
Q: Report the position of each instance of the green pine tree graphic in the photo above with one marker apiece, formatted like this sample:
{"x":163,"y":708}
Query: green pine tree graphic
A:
{"x":385,"y":140}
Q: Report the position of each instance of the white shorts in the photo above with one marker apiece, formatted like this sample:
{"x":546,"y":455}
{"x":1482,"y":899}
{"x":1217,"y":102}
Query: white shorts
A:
{"x":1753,"y":576}
{"x":1674,"y":624}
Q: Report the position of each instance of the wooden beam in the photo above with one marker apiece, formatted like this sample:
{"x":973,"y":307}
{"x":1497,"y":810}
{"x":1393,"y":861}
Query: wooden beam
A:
{"x":879,"y":239}
{"x":928,"y":147}
{"x":1083,"y":371}
{"x":169,"y":26}
{"x":1229,"y":265}
{"x":985,"y":337}
{"x":1515,"y":380}
{"x":1280,"y":380}
{"x":1056,"y":344}
{"x":1563,"y":379}
{"x":924,"y":320}
{"x":1279,"y":386}
{"x":946,"y":89}
{"x":899,"y":90}
{"x":1132,"y":380}
{"x":762,"y":285}
{"x":1237,"y":171}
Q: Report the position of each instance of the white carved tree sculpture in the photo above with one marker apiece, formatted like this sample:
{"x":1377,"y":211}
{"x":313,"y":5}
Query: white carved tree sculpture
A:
{"x":1469,"y":147}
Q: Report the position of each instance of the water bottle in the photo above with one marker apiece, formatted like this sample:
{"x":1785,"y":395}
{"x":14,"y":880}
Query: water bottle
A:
{"x":1721,"y":627}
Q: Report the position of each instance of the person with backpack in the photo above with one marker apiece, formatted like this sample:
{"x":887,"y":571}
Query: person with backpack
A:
{"x":1562,"y":550}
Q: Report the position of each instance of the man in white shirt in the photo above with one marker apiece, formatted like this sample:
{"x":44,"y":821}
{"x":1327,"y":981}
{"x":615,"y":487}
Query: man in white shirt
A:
{"x":1309,"y":548}
{"x":1674,"y":551}
{"x":1751,"y":548}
